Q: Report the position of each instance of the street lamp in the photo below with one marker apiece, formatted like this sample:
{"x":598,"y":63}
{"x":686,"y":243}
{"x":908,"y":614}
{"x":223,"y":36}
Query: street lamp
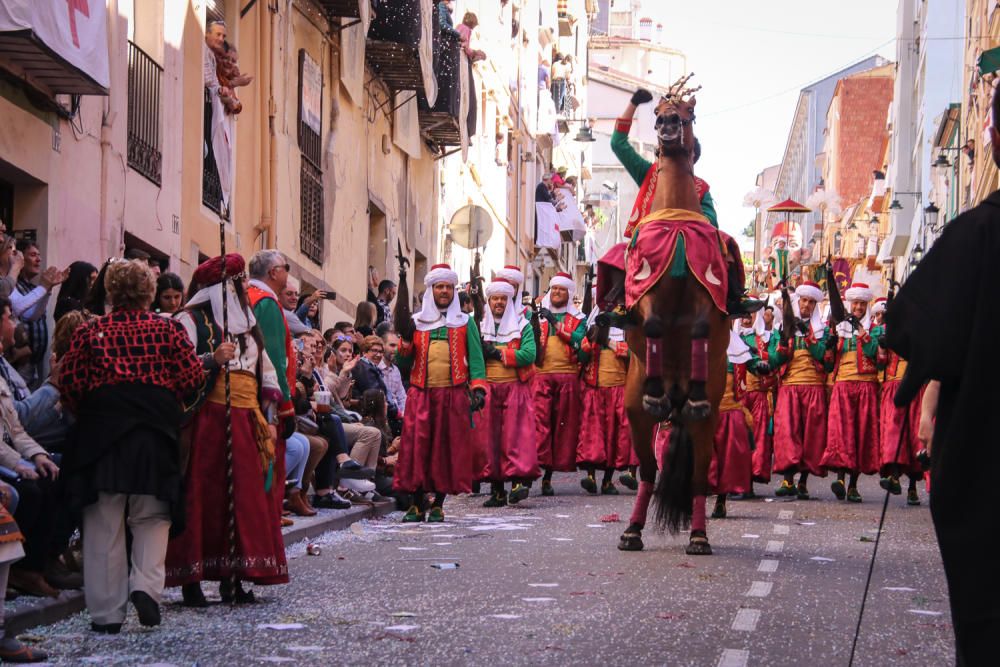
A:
{"x":918,"y":253}
{"x":931,"y":216}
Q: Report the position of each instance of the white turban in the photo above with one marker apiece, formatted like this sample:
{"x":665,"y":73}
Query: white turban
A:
{"x":815,"y":322}
{"x":879,"y":306}
{"x":562,"y":280}
{"x":759,"y":326}
{"x":430,"y":317}
{"x":858,"y":292}
{"x":511,"y":324}
{"x":511,"y":274}
{"x":809,"y":290}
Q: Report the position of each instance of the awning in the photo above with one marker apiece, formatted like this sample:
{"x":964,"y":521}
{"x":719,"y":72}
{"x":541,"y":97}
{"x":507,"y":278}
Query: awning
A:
{"x":58,"y":46}
{"x":988,"y":61}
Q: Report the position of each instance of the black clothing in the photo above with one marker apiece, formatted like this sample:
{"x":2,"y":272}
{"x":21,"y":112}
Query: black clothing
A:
{"x":126,"y":441}
{"x":542,"y":194}
{"x":944,"y":323}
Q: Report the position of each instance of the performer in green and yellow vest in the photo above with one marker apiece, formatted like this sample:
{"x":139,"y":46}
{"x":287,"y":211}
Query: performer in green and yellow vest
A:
{"x":852,"y":433}
{"x":645,"y":175}
{"x":443,"y":351}
{"x":557,"y":383}
{"x":605,"y":438}
{"x":507,"y":431}
{"x":897,"y":457}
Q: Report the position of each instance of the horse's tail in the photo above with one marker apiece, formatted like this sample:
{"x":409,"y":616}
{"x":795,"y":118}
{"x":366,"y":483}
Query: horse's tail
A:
{"x":674,"y":494}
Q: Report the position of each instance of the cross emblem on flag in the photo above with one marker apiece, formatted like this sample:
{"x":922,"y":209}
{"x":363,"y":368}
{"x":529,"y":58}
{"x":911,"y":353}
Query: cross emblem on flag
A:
{"x":73,"y":6}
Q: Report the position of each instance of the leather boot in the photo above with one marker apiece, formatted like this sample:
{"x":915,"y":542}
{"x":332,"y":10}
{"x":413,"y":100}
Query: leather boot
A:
{"x":297,"y":505}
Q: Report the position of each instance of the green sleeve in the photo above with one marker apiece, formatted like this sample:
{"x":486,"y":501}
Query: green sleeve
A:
{"x":525,"y":355}
{"x":477,"y":366}
{"x":636,"y":165}
{"x":708,"y":209}
{"x":870,"y":349}
{"x":818,"y":351}
{"x":578,"y":335}
{"x":272,"y":327}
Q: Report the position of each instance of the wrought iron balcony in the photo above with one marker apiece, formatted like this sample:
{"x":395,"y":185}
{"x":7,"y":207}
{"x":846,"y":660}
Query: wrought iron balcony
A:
{"x":393,"y":45}
{"x":144,"y":86}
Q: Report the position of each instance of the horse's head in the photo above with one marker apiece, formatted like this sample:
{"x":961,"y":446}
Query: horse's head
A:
{"x":675,"y":118}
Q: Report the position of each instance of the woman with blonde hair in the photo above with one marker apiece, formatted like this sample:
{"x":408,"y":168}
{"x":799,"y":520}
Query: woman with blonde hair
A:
{"x":124,"y":377}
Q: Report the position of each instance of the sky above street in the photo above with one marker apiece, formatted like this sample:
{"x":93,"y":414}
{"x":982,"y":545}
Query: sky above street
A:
{"x":752,"y":59}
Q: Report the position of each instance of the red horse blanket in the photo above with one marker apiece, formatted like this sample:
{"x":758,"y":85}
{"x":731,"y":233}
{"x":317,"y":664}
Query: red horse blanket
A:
{"x":656,"y":242}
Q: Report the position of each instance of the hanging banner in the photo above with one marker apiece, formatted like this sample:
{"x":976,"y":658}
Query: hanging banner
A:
{"x":75,"y":30}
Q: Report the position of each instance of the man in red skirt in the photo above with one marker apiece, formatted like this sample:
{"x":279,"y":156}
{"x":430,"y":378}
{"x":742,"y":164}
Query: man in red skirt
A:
{"x":557,"y":383}
{"x":852,"y":435}
{"x":800,"y":412}
{"x":605,"y":439}
{"x":897,"y":456}
{"x":763,"y":341}
{"x":507,"y":429}
{"x":437,"y":452}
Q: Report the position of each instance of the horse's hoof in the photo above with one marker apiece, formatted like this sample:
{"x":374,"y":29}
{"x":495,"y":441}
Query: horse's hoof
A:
{"x":630,"y":542}
{"x":658,"y":407}
{"x":697,"y":411}
{"x":699,"y":546}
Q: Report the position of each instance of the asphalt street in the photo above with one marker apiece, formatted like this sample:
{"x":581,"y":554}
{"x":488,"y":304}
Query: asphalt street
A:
{"x":544,"y":583}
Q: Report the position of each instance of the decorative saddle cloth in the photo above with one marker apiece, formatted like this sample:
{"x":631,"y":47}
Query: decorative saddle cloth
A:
{"x":665,"y":235}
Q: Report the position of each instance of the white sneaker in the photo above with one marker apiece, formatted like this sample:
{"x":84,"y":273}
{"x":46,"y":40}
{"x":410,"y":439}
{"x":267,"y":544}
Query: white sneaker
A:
{"x":361,"y":486}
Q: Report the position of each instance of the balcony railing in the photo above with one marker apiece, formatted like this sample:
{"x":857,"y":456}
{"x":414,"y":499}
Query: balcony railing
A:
{"x":145,"y":81}
{"x":393,"y":46}
{"x":211,"y":185}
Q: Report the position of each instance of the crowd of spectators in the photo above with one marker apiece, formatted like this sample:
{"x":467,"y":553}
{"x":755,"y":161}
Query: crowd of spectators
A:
{"x":123,"y":344}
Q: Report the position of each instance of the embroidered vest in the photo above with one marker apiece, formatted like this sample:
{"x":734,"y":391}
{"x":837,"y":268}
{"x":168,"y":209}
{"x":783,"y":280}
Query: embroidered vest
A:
{"x":568,"y":321}
{"x":458,"y":356}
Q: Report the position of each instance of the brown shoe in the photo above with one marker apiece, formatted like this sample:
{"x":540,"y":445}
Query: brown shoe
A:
{"x":296,"y":503}
{"x":59,"y":576}
{"x":31,"y":583}
{"x":286,"y":522}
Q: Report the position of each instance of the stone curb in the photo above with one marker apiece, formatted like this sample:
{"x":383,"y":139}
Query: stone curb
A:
{"x":52,"y":610}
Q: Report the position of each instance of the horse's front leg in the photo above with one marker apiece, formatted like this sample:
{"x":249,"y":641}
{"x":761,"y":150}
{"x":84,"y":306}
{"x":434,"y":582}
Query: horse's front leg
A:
{"x":698,"y":407}
{"x":643,"y":429}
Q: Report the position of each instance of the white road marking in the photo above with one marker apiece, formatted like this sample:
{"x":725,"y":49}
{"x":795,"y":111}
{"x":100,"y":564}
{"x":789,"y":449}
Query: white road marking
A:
{"x":543,"y":585}
{"x":781,"y":529}
{"x":539,"y":599}
{"x":746,"y":620}
{"x":774,"y":547}
{"x":899,"y":589}
{"x":759,"y":589}
{"x":785,"y":515}
{"x":734,"y":657}
{"x":924,"y":612}
{"x":822,"y":559}
{"x":768,"y":565}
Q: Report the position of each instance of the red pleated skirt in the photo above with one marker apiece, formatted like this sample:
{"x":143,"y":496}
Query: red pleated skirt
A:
{"x":852,"y":433}
{"x":605,"y":439}
{"x":557,"y":419}
{"x":800,"y":429}
{"x":894,"y":420}
{"x":507,"y":434}
{"x":437,"y":451}
{"x":756,"y":403}
{"x":732,"y":460}
{"x":201,"y":552}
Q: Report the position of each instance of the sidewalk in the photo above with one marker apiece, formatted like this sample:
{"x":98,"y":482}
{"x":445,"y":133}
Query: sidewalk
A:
{"x":27,"y":612}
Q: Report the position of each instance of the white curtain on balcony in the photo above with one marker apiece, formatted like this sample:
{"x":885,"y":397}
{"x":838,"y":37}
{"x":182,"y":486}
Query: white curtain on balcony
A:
{"x":352,"y":61}
{"x":426,"y":50}
{"x":547,"y":231}
{"x":570,"y":219}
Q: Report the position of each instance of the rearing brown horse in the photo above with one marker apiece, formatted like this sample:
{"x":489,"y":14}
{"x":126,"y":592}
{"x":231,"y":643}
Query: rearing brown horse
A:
{"x":678,"y":364}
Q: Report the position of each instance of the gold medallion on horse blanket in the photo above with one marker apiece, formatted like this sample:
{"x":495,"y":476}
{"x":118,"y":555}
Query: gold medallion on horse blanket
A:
{"x":655,"y":245}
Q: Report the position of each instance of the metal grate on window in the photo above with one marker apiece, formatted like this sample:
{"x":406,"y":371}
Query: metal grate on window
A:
{"x":311,"y":194}
{"x":144,"y":84}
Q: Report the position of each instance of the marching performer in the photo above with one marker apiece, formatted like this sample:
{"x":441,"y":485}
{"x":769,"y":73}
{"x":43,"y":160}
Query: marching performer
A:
{"x":852,"y":435}
{"x":896,"y":458}
{"x":732,"y":457}
{"x":442,"y":349}
{"x":759,"y":338}
{"x":800,"y":411}
{"x":605,"y":440}
{"x":557,"y":383}
{"x":508,"y":428}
